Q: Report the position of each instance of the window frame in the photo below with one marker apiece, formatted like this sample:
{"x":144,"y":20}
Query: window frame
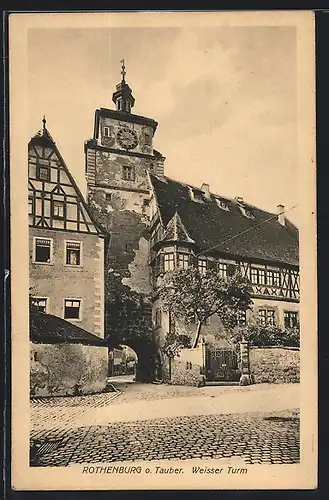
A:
{"x":202,"y":269}
{"x":106,"y":128}
{"x":34,"y":251}
{"x":46,"y":299}
{"x":166,"y":259}
{"x":81,"y":253}
{"x":268,"y":313}
{"x":63,"y":204}
{"x":288,"y":314}
{"x":128,"y":168}
{"x":30,"y":204}
{"x":220,"y":270}
{"x":73,"y":299}
{"x":108,"y":197}
{"x":183,"y":258}
{"x":40,"y":166}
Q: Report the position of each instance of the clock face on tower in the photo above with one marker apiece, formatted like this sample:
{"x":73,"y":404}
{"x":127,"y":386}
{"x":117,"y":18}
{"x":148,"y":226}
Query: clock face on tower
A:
{"x":127,"y":138}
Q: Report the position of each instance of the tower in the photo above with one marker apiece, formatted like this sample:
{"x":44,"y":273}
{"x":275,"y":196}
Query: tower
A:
{"x":117,"y":161}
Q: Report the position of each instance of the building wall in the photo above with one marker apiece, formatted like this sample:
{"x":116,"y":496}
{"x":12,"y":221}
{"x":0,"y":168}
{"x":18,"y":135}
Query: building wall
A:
{"x":279,"y":306}
{"x":58,"y":281}
{"x":67,"y":369}
{"x":275,"y":365}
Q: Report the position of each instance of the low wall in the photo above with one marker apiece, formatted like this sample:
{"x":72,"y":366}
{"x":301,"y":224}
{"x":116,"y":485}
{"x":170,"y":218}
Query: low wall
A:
{"x":187,"y":368}
{"x":67,"y":369}
{"x":275,"y":365}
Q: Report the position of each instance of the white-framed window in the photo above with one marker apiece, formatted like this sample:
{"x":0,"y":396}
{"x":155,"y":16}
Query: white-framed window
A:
{"x":42,"y":172}
{"x":242,"y":318}
{"x":273,"y":277}
{"x":169,"y":261}
{"x":58,"y":209}
{"x":183,"y":260}
{"x":106,"y":131}
{"x":266,"y":317}
{"x":257,"y":276}
{"x":222,"y":269}
{"x":290,"y":319}
{"x":72,"y":309}
{"x":202,"y":266}
{"x":40,"y":303}
{"x":43,"y":250}
{"x":73,"y":253}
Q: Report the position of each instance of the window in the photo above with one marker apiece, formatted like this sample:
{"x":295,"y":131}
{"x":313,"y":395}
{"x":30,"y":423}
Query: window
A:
{"x":183,"y":260}
{"x":222,"y":204}
{"x":43,"y":249}
{"x":169,"y":262}
{"x":43,"y":172}
{"x":196,"y":195}
{"x":73,"y":253}
{"x":30,"y":206}
{"x":242,"y":318}
{"x":39,"y":303}
{"x":273,"y":278}
{"x":290,"y":319}
{"x":120,"y":104}
{"x":58,"y":209}
{"x":257,"y":276}
{"x":106,"y":131}
{"x":108,"y":197}
{"x":222,"y":269}
{"x":158,"y":318}
{"x":266,"y":317}
{"x":128,"y":173}
{"x":202,"y":265}
{"x":72,"y":309}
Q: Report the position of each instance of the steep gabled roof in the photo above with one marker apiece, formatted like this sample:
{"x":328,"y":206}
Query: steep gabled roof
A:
{"x":209,"y":225}
{"x":175,"y":231}
{"x":44,"y":139}
{"x":50,"y":329}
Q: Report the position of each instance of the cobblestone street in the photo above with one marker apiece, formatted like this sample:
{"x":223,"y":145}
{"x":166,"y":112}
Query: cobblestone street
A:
{"x":259,"y":424}
{"x":254,"y":437}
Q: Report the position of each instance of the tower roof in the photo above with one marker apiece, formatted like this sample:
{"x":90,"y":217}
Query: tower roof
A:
{"x":122,"y":97}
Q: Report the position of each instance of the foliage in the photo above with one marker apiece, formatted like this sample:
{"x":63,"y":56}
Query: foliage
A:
{"x":128,"y":313}
{"x":189,"y":295}
{"x":264,"y":336}
{"x":174,"y":343}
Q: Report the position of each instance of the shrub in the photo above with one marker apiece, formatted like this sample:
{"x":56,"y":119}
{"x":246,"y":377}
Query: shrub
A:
{"x":264,"y":336}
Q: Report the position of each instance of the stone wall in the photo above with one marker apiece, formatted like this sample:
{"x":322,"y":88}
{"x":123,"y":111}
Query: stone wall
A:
{"x":67,"y":369}
{"x":186,"y":369}
{"x":275,"y":365}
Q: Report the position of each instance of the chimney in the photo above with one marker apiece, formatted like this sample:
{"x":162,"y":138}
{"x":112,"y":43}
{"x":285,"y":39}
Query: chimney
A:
{"x":206,"y":191}
{"x":281,"y":216}
{"x":160,"y":160}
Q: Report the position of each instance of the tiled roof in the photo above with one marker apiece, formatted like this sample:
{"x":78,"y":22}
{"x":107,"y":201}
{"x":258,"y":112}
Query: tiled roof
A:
{"x":209,"y":225}
{"x":175,"y":231}
{"x":50,"y":329}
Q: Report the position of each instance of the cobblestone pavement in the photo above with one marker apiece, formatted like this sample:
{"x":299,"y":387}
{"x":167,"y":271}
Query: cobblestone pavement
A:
{"x":257,"y":438}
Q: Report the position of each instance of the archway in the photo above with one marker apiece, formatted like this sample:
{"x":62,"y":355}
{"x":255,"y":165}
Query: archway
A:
{"x":145,"y":354}
{"x":123,"y":362}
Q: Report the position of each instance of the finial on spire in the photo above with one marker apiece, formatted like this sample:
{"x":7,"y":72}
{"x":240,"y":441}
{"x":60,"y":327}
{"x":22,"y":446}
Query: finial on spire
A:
{"x":123,"y":69}
{"x":44,"y":121}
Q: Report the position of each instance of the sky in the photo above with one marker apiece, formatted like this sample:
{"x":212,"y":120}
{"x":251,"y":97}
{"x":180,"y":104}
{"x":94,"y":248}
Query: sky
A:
{"x":225,"y":99}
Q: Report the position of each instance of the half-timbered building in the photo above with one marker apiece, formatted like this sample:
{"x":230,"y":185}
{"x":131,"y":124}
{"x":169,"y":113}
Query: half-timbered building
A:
{"x":66,"y":244}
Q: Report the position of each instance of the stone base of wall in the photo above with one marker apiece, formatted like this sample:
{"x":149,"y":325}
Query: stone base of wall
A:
{"x":275,"y":365}
{"x":67,"y":369}
{"x":184,"y":373}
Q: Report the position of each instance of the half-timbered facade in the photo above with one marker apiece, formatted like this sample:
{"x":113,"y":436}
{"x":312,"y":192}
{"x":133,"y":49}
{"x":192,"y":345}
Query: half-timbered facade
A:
{"x":192,"y":227}
{"x":66,"y":243}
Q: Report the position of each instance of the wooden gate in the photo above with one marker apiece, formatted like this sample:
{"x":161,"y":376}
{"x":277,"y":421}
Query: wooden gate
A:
{"x":222,"y":364}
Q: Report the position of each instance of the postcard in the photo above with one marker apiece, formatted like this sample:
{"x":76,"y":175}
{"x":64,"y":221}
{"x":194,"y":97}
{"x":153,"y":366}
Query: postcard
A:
{"x":163,"y":250}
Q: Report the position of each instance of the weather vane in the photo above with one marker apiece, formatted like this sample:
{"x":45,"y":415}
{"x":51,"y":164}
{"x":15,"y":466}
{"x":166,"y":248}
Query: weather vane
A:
{"x":123,"y":72}
{"x":44,"y":121}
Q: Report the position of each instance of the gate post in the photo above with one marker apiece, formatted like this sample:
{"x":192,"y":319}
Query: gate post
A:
{"x":245,"y":378}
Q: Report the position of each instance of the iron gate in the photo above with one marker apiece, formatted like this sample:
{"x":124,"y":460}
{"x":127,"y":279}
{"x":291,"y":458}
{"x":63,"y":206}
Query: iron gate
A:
{"x":222,"y":364}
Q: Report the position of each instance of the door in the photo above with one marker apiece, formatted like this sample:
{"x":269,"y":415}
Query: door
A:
{"x":221,"y":364}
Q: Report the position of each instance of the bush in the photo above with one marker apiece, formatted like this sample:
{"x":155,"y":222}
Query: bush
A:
{"x":264,"y":336}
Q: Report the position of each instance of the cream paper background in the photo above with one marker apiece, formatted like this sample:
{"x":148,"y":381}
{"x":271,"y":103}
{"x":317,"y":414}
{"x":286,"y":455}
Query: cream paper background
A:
{"x":297,"y":476}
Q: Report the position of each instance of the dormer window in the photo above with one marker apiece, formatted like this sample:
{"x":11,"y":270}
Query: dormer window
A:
{"x":196,"y":195}
{"x":222,"y":204}
{"x":247,"y":212}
